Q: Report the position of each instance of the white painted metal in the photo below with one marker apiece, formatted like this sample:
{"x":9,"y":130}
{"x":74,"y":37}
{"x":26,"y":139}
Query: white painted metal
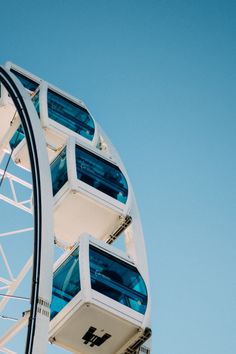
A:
{"x":58,"y":128}
{"x":134,"y":238}
{"x":17,"y":327}
{"x":74,"y":205}
{"x":9,"y":65}
{"x":7,"y":351}
{"x":80,"y":208}
{"x":14,"y":283}
{"x":39,"y":340}
{"x":10,"y":128}
{"x":6,"y":264}
{"x":91,"y":308}
{"x":46,"y":265}
{"x":15,"y":232}
{"x":55,"y":134}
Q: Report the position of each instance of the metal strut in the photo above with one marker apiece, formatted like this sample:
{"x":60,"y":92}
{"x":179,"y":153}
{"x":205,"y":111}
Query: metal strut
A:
{"x":115,"y":234}
{"x":133,"y":348}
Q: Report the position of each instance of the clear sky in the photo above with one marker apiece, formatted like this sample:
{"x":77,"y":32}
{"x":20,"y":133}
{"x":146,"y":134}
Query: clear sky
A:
{"x":159,"y":76}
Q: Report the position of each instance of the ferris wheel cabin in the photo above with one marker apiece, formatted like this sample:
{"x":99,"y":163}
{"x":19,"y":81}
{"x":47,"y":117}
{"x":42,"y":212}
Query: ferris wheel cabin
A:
{"x":60,"y":114}
{"x":90,"y":190}
{"x":11,"y":129}
{"x":99,"y":301}
{"x":90,"y":194}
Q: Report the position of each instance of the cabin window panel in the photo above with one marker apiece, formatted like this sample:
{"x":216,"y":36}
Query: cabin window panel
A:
{"x":28,"y":83}
{"x":66,"y":283}
{"x":101,"y":174}
{"x":70,"y":115}
{"x":35,"y":100}
{"x":59,"y":172}
{"x":17,"y":137}
{"x":118,"y":280}
{"x":19,"y":134}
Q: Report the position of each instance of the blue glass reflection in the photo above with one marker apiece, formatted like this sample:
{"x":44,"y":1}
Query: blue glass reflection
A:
{"x":19,"y":134}
{"x":118,"y":280}
{"x":35,"y":100}
{"x":28,"y":83}
{"x":66,"y":283}
{"x":59,"y":172}
{"x":17,"y":137}
{"x":101,"y":174}
{"x":71,"y":115}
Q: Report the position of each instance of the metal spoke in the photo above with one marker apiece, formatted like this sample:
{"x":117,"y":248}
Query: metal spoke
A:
{"x":19,"y":325}
{"x":14,"y":285}
{"x":15,"y":232}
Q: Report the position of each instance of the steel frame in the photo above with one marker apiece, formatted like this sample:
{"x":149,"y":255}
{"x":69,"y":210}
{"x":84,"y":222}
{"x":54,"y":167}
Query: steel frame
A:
{"x":41,"y":260}
{"x":14,"y":199}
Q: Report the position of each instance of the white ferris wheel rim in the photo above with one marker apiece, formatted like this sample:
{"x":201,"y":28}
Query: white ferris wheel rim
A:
{"x":38,"y":319}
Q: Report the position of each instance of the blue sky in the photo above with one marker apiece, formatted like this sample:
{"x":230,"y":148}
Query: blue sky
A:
{"x":159,"y":76}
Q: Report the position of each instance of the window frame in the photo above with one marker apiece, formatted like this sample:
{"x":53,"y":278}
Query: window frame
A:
{"x":89,"y":295}
{"x":65,"y":184}
{"x":96,"y":297}
{"x":60,"y":129}
{"x":58,"y":265}
{"x":5,"y":99}
{"x":125,"y":265}
{"x":88,"y":190}
{"x":75,"y":184}
{"x":96,"y":168}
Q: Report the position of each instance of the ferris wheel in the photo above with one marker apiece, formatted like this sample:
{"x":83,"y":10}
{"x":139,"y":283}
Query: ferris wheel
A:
{"x":66,"y":205}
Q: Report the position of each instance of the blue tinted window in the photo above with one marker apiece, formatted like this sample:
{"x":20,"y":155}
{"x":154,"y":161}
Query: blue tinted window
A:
{"x":29,"y":84}
{"x":118,"y":280}
{"x":66,"y":283}
{"x":71,"y":115}
{"x":59,"y":172}
{"x":17,"y":137}
{"x":101,"y":174}
{"x":35,"y":100}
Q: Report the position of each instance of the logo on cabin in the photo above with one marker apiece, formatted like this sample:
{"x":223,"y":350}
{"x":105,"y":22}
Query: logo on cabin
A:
{"x":93,"y":339}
